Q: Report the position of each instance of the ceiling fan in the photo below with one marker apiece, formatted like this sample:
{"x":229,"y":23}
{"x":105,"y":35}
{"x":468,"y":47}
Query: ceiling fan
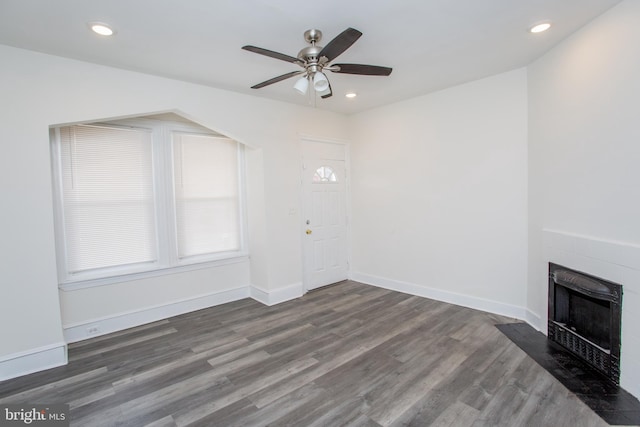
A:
{"x":315,"y":59}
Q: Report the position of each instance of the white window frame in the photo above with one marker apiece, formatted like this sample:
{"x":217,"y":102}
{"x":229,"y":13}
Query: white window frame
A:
{"x":168,"y":261}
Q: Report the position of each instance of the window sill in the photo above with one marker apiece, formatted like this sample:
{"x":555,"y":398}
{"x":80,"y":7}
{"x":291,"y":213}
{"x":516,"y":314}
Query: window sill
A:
{"x":91,"y":283}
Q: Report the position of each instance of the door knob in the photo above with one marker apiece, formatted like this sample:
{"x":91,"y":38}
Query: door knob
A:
{"x":308,"y":231}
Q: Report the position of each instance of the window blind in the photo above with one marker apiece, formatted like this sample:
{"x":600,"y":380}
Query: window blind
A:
{"x":107,"y":196}
{"x":206,"y":194}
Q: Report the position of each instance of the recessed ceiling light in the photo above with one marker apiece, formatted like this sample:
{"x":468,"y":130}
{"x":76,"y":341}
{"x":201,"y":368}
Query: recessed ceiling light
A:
{"x":538,"y":28}
{"x":351,"y":95}
{"x":101,"y":28}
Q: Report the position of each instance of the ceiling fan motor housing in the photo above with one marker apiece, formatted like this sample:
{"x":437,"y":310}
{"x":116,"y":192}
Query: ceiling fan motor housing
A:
{"x":309,"y":55}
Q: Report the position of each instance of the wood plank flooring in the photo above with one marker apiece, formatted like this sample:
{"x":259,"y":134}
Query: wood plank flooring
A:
{"x":348,"y":354}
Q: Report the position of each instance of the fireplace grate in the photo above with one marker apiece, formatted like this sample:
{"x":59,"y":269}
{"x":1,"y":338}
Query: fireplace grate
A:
{"x":597,"y":357}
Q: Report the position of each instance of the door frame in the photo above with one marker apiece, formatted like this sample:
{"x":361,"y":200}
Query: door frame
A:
{"x":347,"y":202}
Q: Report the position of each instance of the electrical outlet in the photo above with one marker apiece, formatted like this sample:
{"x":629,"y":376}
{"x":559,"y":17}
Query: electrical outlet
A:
{"x":93,"y":330}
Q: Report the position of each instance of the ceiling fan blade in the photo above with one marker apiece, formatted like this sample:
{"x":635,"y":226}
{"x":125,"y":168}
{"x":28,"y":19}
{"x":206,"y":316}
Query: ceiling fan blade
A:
{"x":271,"y":54}
{"x":367,"y":70}
{"x":327,"y":95}
{"x":276,"y":79}
{"x":339,"y":44}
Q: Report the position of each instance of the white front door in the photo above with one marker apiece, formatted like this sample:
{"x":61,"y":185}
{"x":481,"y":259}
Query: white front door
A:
{"x":324,"y":213}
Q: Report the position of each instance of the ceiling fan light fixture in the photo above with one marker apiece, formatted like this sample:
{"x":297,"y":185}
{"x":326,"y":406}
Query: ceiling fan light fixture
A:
{"x":301,"y":85}
{"x":320,"y":82}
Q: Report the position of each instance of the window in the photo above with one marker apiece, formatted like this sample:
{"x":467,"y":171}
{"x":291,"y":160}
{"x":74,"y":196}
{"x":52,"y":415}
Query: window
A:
{"x":144,"y":195}
{"x":324,"y":174}
{"x":206,"y":194}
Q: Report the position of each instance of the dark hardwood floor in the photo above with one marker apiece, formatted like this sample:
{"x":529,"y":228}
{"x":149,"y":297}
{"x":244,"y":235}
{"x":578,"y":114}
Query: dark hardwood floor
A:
{"x":348,"y":354}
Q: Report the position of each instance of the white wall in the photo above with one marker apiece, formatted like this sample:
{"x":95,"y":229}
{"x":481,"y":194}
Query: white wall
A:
{"x":40,"y":90}
{"x":443,"y":186}
{"x":439,"y":195}
{"x":584,"y":166}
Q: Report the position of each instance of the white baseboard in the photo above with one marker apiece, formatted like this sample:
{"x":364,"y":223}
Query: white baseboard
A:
{"x":105,"y":325}
{"x":34,"y":360}
{"x":259,"y":294}
{"x":444,"y":296}
{"x":534,"y":321}
{"x":276,"y":296}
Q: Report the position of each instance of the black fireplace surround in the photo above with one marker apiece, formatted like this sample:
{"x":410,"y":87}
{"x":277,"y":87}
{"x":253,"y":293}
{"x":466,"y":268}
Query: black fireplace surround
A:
{"x":585,"y":315}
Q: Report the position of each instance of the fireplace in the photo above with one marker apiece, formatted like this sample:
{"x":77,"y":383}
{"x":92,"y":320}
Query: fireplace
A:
{"x":585,"y":315}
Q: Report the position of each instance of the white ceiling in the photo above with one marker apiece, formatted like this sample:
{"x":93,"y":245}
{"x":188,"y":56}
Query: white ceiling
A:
{"x":430,"y":44}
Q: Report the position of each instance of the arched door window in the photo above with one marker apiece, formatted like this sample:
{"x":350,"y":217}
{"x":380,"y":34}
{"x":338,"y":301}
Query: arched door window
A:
{"x":324,"y":174}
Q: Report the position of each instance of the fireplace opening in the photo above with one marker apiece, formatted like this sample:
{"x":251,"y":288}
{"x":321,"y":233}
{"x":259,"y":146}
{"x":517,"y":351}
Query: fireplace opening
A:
{"x":585,"y":317}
